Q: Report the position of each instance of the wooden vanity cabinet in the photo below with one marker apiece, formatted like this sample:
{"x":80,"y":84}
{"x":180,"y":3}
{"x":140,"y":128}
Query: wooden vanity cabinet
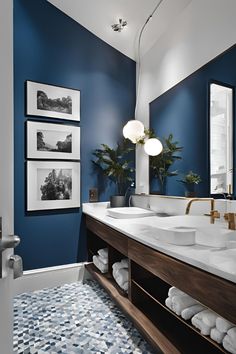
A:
{"x":151,"y":274}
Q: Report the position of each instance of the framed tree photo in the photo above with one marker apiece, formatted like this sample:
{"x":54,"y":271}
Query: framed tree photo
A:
{"x":52,"y":141}
{"x":53,"y":185}
{"x":52,"y":101}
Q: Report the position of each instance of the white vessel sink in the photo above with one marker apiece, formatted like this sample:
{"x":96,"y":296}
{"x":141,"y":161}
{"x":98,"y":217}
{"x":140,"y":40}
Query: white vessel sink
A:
{"x":129,"y":213}
{"x":178,"y":235}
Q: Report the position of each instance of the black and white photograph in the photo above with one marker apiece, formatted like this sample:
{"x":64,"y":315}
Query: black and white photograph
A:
{"x":53,"y":185}
{"x":52,"y":101}
{"x":52,"y":141}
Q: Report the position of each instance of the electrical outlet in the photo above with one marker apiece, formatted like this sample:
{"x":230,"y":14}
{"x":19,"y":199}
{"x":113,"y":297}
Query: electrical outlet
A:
{"x":93,"y":195}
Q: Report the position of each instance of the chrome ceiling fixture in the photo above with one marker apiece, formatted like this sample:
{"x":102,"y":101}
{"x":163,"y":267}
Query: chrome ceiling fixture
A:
{"x":134,"y":130}
{"x":118,"y":27}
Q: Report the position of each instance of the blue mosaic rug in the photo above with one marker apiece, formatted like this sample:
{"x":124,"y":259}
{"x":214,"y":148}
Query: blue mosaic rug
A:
{"x":73,"y":319}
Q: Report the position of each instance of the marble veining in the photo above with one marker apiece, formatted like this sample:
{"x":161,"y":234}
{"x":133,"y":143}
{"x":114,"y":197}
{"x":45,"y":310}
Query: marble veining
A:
{"x":74,"y":318}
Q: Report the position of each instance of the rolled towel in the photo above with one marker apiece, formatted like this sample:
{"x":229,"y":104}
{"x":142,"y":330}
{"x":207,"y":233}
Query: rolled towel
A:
{"x":208,"y":317}
{"x":190,"y":311}
{"x":223,"y":325}
{"x":120,"y":265}
{"x":229,"y":345}
{"x":103,"y":260}
{"x":101,"y":266}
{"x":232,"y":334}
{"x":199,"y":324}
{"x":125,"y":286}
{"x":122,"y":277}
{"x":181,"y":302}
{"x":173,"y":291}
{"x":216,"y":335}
{"x":168,"y":303}
{"x":103,"y":252}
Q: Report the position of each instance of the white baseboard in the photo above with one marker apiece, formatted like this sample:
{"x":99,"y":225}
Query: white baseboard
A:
{"x":38,"y":279}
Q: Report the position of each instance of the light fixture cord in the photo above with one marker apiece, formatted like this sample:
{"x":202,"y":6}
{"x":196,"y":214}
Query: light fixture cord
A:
{"x":139,"y":54}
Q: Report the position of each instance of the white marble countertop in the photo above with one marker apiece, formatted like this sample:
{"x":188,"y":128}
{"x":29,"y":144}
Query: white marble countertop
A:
{"x":218,"y":261}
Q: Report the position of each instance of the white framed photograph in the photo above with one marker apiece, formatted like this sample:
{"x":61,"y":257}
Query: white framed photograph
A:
{"x":52,"y":141}
{"x":52,"y":101}
{"x":53,"y":185}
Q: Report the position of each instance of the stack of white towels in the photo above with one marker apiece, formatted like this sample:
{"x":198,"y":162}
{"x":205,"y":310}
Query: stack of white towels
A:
{"x":121,"y":274}
{"x":208,"y":322}
{"x":101,"y":260}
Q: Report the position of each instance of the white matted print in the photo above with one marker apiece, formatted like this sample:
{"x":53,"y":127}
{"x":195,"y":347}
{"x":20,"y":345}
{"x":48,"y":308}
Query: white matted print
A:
{"x":53,"y":185}
{"x":52,"y":101}
{"x":52,"y":141}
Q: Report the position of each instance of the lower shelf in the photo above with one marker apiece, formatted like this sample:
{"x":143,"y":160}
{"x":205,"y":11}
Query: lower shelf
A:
{"x":185,"y":336}
{"x":154,"y":335}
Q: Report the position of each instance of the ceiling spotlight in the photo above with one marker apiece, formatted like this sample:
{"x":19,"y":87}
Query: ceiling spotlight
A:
{"x":118,"y":27}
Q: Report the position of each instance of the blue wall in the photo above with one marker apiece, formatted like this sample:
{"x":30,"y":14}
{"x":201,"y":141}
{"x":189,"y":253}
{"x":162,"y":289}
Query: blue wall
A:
{"x":50,"y":47}
{"x":183,"y":111}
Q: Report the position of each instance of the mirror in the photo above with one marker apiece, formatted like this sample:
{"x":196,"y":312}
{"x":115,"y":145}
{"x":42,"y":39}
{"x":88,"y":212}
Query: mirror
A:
{"x":221,"y":138}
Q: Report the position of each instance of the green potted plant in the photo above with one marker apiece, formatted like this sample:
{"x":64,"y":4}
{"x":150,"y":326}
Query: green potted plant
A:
{"x":160,"y":164}
{"x":117,"y":166}
{"x":190,"y":180}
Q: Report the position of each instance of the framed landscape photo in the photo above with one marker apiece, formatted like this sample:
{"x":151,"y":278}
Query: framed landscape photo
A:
{"x":53,"y":185}
{"x":52,"y":141}
{"x":52,"y":101}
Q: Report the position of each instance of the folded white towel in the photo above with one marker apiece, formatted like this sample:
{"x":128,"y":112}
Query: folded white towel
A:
{"x":208,"y":317}
{"x":199,"y":324}
{"x":101,"y":266}
{"x":223,"y":325}
{"x":173,"y":291}
{"x":229,"y":345}
{"x":120,"y":265}
{"x":232,"y":334}
{"x":125,"y":286}
{"x":181,"y":302}
{"x":190,"y":311}
{"x":103,"y":252}
{"x":122,"y":276}
{"x":168,"y":303}
{"x":103,"y":260}
{"x":216,"y":335}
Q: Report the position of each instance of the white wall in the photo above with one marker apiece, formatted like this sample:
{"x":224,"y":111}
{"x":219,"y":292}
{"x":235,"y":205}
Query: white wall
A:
{"x":203,"y":30}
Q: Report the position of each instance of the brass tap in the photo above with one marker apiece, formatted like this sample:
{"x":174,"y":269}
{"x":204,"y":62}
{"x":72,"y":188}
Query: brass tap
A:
{"x":200,"y":200}
{"x":214,"y":214}
{"x":230,"y":217}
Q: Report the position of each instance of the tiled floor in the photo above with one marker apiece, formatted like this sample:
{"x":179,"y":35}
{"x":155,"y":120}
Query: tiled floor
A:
{"x":71,"y":319}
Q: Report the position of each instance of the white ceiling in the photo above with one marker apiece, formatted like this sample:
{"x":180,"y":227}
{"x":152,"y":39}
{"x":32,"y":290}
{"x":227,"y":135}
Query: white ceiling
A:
{"x":98,"y":16}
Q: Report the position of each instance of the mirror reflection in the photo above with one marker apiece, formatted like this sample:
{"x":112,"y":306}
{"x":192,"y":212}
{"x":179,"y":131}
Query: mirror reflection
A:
{"x":221,"y":139}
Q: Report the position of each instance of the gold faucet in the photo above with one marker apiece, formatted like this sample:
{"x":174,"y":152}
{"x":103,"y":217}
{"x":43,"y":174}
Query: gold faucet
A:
{"x":201,"y":200}
{"x":230,"y":217}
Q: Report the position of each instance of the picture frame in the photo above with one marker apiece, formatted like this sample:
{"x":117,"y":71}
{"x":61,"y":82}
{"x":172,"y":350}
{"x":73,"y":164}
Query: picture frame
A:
{"x":52,"y":141}
{"x":52,"y":101}
{"x":53,"y":185}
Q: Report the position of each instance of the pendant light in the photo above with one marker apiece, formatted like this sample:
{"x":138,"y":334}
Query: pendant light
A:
{"x":134,"y":130}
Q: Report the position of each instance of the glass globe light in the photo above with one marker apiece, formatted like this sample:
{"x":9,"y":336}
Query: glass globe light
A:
{"x":153,"y":147}
{"x":133,"y":130}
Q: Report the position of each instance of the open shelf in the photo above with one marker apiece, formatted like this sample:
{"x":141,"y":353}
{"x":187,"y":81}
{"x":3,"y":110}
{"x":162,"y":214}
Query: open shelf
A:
{"x":151,"y":306}
{"x":107,"y":277}
{"x":155,"y":336}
